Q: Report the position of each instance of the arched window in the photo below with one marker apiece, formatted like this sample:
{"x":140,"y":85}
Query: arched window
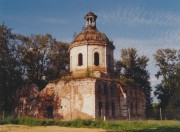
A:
{"x":96,"y":58}
{"x":80,"y":59}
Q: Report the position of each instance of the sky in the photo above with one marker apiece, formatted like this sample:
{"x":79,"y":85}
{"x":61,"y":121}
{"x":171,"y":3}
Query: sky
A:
{"x":146,"y":25}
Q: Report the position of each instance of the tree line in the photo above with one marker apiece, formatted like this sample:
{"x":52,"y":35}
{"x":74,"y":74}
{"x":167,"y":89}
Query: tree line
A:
{"x":26,"y":60}
{"x":41,"y":58}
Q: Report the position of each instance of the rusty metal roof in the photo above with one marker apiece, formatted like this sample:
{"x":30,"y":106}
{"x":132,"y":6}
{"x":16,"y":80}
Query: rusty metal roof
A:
{"x":91,"y":37}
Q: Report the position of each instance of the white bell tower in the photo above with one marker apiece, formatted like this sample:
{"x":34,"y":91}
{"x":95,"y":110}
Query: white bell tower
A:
{"x":91,"y":51}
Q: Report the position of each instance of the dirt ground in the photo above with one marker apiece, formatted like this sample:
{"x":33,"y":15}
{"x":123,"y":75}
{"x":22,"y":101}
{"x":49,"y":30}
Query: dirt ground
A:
{"x":20,"y":128}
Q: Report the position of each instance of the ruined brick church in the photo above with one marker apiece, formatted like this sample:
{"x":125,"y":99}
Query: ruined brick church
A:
{"x":89,"y":92}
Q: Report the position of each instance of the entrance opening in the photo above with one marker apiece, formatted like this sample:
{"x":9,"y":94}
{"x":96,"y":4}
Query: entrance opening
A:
{"x":80,"y":59}
{"x":96,"y":58}
{"x":49,"y":110}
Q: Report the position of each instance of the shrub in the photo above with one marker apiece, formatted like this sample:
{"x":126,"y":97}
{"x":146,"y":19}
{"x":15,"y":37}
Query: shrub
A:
{"x":99,"y":123}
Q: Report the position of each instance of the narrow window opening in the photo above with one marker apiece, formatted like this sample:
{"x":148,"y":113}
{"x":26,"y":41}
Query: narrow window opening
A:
{"x":131,"y":108}
{"x":80,"y":59}
{"x":100,"y":109}
{"x":109,"y":57}
{"x":107,"y":109}
{"x":99,"y":88}
{"x":131,"y":93}
{"x":91,"y":20}
{"x":96,"y":58}
{"x":112,"y":91}
{"x":105,"y":90}
{"x":113,"y":109}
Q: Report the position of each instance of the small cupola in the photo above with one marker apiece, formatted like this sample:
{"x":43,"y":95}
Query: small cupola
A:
{"x":90,"y":20}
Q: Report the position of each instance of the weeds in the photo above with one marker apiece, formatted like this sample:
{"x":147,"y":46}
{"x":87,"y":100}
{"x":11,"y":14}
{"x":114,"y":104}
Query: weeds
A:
{"x":138,"y":126}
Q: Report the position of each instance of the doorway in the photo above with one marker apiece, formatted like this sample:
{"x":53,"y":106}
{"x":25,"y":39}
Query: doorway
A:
{"x":49,"y":110}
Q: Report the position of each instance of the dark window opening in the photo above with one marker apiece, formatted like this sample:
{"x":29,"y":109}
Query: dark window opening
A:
{"x":91,"y":19}
{"x":125,"y":92}
{"x":49,"y":110}
{"x":131,"y":105}
{"x":112,"y":91}
{"x":107,"y":109}
{"x":96,"y":58}
{"x":99,"y":89}
{"x":105,"y":90}
{"x":131,"y":93}
{"x":131,"y":108}
{"x":80,"y":59}
{"x":100,"y":109}
{"x":109,"y":57}
{"x":113,"y":109}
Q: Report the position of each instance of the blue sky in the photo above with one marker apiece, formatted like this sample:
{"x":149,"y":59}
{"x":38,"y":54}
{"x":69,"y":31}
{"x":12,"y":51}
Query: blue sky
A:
{"x":146,"y":25}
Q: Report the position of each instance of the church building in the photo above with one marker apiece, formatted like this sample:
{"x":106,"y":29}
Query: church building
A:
{"x":90,"y":91}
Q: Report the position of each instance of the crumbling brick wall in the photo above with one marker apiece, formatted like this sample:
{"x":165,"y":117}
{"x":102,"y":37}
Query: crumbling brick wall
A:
{"x":32,"y":102}
{"x":81,"y":98}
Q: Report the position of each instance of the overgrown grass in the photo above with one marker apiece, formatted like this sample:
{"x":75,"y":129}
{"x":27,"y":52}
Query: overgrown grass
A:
{"x":137,"y":126}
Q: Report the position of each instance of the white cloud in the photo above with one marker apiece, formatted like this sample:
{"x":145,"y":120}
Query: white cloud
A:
{"x":134,"y":16}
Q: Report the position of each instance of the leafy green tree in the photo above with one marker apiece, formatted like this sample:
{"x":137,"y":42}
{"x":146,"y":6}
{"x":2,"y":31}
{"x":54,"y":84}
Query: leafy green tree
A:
{"x":28,"y":59}
{"x":168,"y":91}
{"x":58,"y":61}
{"x":10,"y":71}
{"x":117,"y":69}
{"x":132,"y":68}
{"x":44,"y":58}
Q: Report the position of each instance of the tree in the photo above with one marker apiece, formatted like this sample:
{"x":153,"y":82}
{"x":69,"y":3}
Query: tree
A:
{"x":132,"y":68}
{"x":10,"y":72}
{"x":28,"y":59}
{"x":44,"y":58}
{"x":168,"y":91}
{"x":59,"y":61}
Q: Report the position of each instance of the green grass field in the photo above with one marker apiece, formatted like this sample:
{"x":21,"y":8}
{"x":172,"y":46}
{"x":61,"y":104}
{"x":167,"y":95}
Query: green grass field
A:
{"x":129,"y":126}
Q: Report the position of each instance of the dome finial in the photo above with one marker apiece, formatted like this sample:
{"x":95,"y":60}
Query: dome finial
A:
{"x":90,"y":20}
